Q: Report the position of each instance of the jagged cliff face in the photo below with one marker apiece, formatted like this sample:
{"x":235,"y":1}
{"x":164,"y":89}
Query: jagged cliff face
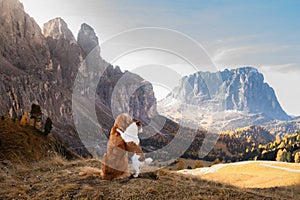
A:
{"x":24,"y":57}
{"x":22,"y":43}
{"x":31,"y":71}
{"x":40,"y":68}
{"x":120,"y":92}
{"x":88,"y":40}
{"x":241,"y":89}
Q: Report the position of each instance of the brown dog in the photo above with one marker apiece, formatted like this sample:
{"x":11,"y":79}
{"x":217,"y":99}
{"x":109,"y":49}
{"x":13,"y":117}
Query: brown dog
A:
{"x":130,"y":136}
{"x":115,"y":161}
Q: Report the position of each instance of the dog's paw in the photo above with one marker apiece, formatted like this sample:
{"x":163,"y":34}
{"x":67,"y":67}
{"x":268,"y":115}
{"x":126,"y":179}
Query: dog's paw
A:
{"x":148,"y":161}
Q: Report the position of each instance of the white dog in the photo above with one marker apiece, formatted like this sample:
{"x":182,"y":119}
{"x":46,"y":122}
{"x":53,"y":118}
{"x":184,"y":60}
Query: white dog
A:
{"x":138,"y":164}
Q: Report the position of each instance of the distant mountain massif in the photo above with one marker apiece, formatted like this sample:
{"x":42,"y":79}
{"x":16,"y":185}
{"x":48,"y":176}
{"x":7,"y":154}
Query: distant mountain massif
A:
{"x":225,"y":100}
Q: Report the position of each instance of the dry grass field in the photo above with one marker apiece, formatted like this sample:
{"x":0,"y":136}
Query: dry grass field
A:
{"x":252,"y":174}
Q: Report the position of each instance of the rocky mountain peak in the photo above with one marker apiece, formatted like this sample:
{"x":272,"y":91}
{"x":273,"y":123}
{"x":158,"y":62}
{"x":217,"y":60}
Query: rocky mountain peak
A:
{"x":11,"y":6}
{"x":57,"y":28}
{"x":244,"y":73}
{"x":244,"y":70}
{"x":87,"y":38}
{"x":242,"y":89}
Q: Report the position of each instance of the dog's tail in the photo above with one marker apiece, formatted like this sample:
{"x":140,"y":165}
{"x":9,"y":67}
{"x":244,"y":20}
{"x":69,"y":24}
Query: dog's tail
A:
{"x":90,"y":171}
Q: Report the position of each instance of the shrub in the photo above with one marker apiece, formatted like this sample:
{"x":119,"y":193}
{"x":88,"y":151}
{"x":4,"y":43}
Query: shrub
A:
{"x":217,"y":161}
{"x":198,"y":164}
{"x":23,"y":120}
{"x":180,"y":164}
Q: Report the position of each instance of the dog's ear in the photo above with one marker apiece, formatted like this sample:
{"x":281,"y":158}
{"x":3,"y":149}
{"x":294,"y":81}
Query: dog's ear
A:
{"x":138,"y":123}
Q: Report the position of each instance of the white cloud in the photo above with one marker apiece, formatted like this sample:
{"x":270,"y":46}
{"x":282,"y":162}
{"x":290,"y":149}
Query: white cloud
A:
{"x":283,"y":68}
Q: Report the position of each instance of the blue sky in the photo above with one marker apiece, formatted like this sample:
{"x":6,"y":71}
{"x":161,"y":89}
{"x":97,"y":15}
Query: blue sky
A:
{"x":264,"y":34}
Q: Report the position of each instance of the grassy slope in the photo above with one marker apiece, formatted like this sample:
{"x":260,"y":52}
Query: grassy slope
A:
{"x":24,"y":144}
{"x":29,"y":171}
{"x":60,"y":179}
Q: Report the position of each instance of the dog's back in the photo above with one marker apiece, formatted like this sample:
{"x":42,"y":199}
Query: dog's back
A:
{"x":115,"y":161}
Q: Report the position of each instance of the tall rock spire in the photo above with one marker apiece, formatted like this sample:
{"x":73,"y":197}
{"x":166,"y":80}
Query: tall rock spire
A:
{"x":87,"y":39}
{"x":58,"y":29}
{"x":66,"y":55}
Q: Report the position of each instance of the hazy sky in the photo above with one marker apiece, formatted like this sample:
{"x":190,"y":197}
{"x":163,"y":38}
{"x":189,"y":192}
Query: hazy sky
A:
{"x":260,"y":33}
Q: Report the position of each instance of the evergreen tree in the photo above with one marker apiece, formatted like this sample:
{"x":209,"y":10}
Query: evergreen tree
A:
{"x":35,"y":113}
{"x":289,"y":157}
{"x":48,"y":126}
{"x":297,"y":157}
